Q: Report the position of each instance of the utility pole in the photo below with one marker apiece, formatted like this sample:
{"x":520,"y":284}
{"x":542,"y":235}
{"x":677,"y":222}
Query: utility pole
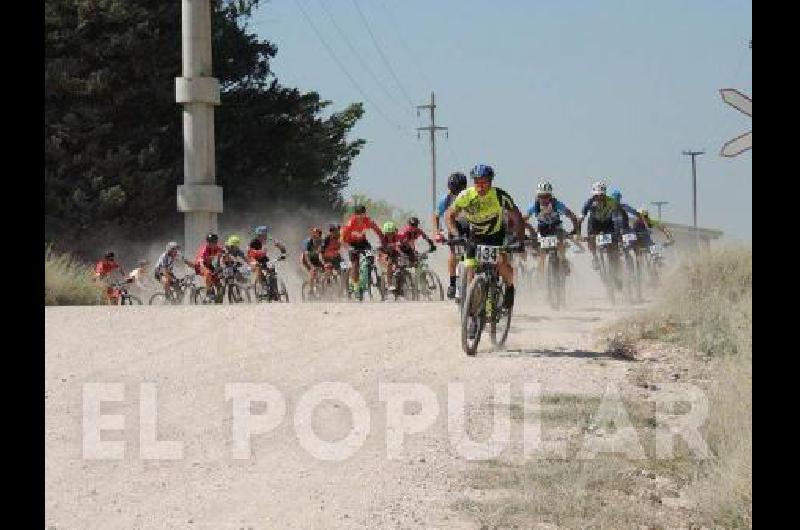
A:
{"x":432,"y":128}
{"x":694,"y":154}
{"x":199,"y":198}
{"x":659,"y":204}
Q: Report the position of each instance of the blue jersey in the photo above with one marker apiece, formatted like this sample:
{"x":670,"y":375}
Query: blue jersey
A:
{"x":445,"y":203}
{"x":549,"y":214}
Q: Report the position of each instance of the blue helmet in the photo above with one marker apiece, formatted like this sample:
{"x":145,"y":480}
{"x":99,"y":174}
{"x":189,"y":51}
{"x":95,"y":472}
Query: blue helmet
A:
{"x":617,"y":195}
{"x":261,"y":230}
{"x":482,"y":171}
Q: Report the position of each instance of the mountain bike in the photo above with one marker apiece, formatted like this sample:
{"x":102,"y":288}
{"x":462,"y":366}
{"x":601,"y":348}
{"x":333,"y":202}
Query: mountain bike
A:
{"x":123,"y":296}
{"x":554,"y":271}
{"x":369,"y":279}
{"x":484,"y":300}
{"x":609,"y":257}
{"x":268,"y":286}
{"x":632,"y":281}
{"x":181,"y":290}
{"x":426,"y":283}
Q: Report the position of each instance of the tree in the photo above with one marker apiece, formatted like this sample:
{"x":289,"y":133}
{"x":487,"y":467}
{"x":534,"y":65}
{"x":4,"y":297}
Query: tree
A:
{"x":113,"y":150}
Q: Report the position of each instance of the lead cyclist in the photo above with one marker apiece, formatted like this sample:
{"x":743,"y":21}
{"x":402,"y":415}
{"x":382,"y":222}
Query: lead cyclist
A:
{"x":483,"y":206}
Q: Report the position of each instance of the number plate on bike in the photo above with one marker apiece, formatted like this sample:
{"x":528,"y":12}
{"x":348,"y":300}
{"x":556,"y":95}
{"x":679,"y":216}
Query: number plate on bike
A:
{"x":655,"y":250}
{"x":603,"y":239}
{"x":487,"y":254}
{"x":548,"y":241}
{"x":628,"y":238}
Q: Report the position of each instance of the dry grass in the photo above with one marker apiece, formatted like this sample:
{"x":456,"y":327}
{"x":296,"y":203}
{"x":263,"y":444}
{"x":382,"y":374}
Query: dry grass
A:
{"x":609,"y":491}
{"x":68,"y":282}
{"x":707,"y":305}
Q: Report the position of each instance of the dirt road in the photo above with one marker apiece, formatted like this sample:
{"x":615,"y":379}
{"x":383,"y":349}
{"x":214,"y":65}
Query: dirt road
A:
{"x":191,"y":353}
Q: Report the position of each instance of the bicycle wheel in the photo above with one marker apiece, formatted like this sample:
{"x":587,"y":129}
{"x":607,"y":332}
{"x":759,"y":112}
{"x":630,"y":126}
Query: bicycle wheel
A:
{"x":473,"y":315}
{"x":637,"y":278}
{"x":404,"y":286}
{"x":376,"y":289}
{"x":500,"y":321}
{"x":234,"y":294}
{"x":283,"y":293}
{"x":607,"y":277}
{"x":158,"y":299}
{"x":130,"y":300}
{"x":552,"y":272}
{"x":430,"y":287}
{"x":307,"y":292}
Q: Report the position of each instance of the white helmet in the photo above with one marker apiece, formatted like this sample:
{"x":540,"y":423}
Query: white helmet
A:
{"x":172,"y":246}
{"x":544,"y":188}
{"x":599,"y":188}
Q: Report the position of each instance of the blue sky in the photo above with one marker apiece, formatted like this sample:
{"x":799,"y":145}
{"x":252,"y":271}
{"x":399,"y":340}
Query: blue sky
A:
{"x":573,"y":91}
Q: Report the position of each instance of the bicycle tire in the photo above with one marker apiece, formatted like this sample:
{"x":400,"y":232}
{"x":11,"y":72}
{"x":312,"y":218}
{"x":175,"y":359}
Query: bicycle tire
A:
{"x":473,"y":311}
{"x":499,"y":333}
{"x":551,"y":271}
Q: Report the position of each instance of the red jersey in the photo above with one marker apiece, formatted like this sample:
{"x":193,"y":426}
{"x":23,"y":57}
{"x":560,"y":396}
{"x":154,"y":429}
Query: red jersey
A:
{"x":105,"y":267}
{"x":207,"y":252}
{"x":409,"y":234}
{"x":392,"y":240}
{"x":356,"y":229}
{"x":330,"y":247}
{"x":256,"y":254}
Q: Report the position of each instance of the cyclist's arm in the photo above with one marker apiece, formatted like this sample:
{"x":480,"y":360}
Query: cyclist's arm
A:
{"x":576,"y":225}
{"x":666,"y":232}
{"x":519,"y":225}
{"x":450,"y":218}
{"x":280,"y":246}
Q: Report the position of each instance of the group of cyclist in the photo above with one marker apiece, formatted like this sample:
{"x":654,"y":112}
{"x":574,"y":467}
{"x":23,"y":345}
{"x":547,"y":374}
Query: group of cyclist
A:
{"x":481,"y":214}
{"x":319,"y":253}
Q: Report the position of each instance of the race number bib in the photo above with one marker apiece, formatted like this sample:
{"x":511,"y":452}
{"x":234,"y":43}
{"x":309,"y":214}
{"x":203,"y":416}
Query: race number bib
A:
{"x":629,"y":238}
{"x":487,"y":254}
{"x":548,"y":241}
{"x":603,"y":239}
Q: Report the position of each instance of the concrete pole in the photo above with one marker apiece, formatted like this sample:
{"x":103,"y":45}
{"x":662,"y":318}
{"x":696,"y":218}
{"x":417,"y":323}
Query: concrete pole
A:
{"x":199,"y":198}
{"x":432,"y":128}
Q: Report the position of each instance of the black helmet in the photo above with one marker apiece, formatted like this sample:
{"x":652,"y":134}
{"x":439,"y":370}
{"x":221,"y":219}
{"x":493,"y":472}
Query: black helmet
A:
{"x":212,"y":238}
{"x":457,"y":183}
{"x":360,"y":209}
{"x":109,"y":255}
{"x":413,"y":221}
{"x":333,"y":227}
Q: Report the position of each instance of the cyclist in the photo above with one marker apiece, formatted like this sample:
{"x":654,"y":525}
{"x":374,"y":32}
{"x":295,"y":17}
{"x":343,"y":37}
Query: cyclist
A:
{"x":205,"y":257}
{"x":455,"y":185}
{"x":331,"y":248}
{"x":164,"y":272}
{"x":311,"y":257}
{"x":354,"y":234}
{"x":483,"y":206}
{"x":642,"y":226}
{"x":106,"y":269}
{"x":138,"y":276}
{"x":408,"y":235}
{"x":547,"y":211}
{"x":599,"y":208}
{"x":389,"y":251}
{"x":257,"y":253}
{"x":621,"y":213}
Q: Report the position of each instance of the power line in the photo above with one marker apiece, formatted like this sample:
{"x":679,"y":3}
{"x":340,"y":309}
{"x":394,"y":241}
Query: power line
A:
{"x":364,"y":64}
{"x":405,"y":47}
{"x":380,"y":52}
{"x":342,"y":67}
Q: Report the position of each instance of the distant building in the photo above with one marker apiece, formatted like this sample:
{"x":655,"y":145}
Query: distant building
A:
{"x":684,"y":236}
